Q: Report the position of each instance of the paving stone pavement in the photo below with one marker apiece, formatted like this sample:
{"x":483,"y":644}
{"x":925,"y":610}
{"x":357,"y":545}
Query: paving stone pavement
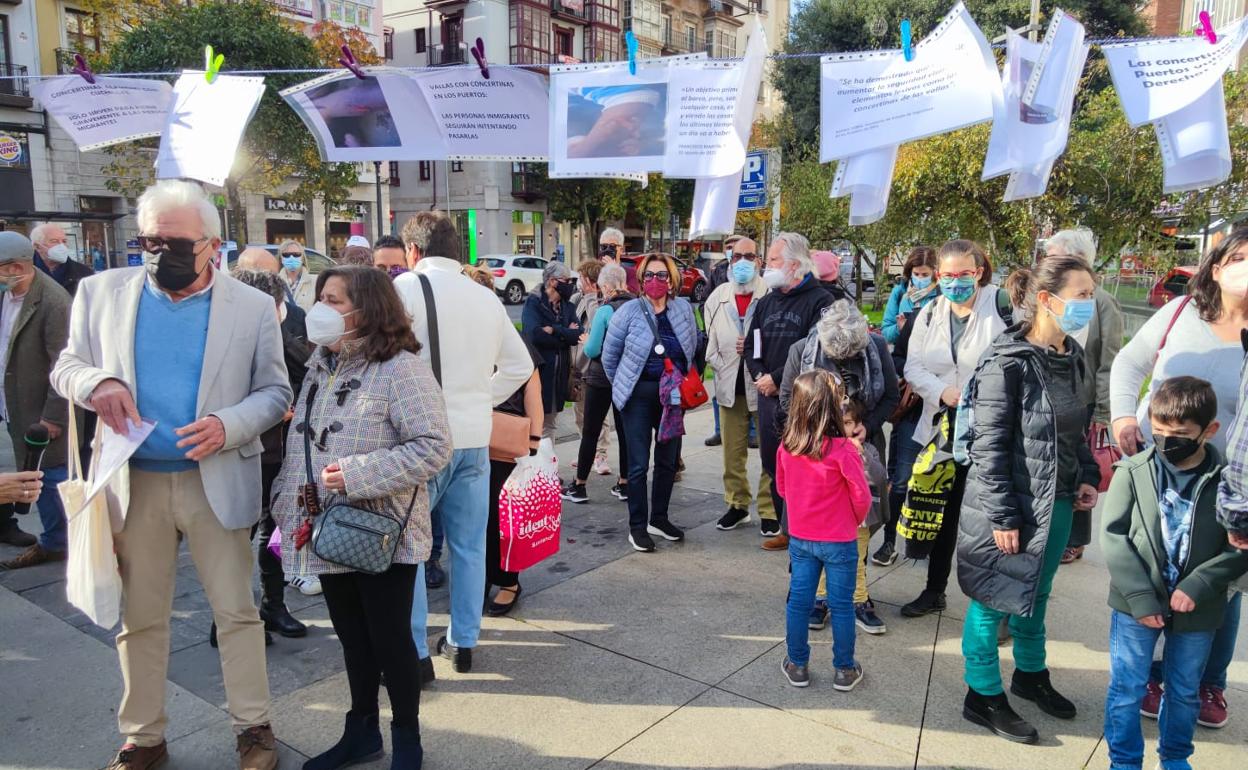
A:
{"x":613,"y":659}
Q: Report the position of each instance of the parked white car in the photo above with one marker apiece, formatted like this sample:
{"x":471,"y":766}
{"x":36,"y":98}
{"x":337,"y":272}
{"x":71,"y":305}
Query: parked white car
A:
{"x":515,"y":275}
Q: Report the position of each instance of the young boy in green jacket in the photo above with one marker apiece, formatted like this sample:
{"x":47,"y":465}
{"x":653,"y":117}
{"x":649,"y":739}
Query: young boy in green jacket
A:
{"x":1170,"y":566}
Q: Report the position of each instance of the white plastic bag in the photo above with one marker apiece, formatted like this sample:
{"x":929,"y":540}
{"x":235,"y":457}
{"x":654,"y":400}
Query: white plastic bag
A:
{"x":93,"y":581}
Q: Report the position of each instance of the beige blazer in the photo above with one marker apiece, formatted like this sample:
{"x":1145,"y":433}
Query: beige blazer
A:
{"x":244,"y":381}
{"x":723,"y":326}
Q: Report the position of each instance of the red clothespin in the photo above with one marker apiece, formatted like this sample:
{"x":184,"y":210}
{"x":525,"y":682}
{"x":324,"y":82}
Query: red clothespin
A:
{"x":478,"y":53}
{"x":1206,"y":28}
{"x":81,"y":68}
{"x":348,"y":60}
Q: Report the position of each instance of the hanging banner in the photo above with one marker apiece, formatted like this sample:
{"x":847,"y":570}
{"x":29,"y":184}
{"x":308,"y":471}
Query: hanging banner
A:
{"x":503,"y":118}
{"x":107,"y":112}
{"x":868,"y":179}
{"x":877,"y":99}
{"x":205,"y":124}
{"x":1195,"y":144}
{"x":701,"y":130}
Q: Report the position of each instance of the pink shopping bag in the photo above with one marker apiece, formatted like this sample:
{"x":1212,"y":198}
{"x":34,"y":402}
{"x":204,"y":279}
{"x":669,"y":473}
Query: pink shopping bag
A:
{"x":530,"y":511}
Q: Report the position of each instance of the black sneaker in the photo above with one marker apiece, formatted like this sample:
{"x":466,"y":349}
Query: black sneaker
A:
{"x":1036,"y":687}
{"x":640,"y":540}
{"x":620,"y":491}
{"x":867,"y":620}
{"x":666,"y":529}
{"x":575,"y":493}
{"x":885,"y":556}
{"x":769,"y":527}
{"x":994,"y":712}
{"x":926,"y":604}
{"x":460,"y":657}
{"x":435,"y":576}
{"x":734,"y":518}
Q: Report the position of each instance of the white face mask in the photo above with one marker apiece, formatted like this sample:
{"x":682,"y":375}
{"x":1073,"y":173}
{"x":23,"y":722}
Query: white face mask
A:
{"x":776,"y":278}
{"x":325,"y":325}
{"x":58,"y":253}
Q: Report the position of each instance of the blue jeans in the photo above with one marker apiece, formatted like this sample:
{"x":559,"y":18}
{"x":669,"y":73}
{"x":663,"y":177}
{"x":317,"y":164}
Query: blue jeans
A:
{"x":461,"y":495}
{"x":1131,"y":645}
{"x":641,"y":415}
{"x":1221,"y":652}
{"x":55,"y":535}
{"x":840,"y":561}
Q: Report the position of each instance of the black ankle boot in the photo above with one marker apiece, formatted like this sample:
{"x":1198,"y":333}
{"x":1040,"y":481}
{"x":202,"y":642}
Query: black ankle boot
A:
{"x":994,"y":712}
{"x":427,"y":674}
{"x":360,"y":742}
{"x":279,"y":620}
{"x":1035,"y":686}
{"x":406,"y":752}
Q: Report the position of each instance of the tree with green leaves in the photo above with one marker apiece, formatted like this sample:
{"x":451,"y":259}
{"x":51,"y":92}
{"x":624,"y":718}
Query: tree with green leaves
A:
{"x":590,"y":203}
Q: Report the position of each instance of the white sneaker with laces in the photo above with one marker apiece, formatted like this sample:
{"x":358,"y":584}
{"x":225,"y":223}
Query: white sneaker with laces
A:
{"x":601,"y":466}
{"x":308,"y":585}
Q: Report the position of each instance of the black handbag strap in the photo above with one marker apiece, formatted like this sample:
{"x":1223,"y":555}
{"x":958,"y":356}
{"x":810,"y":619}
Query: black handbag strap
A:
{"x":431,"y":321}
{"x":307,"y":431}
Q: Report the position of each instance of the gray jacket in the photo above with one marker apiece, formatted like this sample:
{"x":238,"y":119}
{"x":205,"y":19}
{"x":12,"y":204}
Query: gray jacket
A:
{"x":1104,"y":341}
{"x":39,"y":334}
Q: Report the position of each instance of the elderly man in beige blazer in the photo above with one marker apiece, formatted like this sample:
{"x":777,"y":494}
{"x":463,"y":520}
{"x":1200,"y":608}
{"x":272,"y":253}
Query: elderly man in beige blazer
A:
{"x":199,"y":353}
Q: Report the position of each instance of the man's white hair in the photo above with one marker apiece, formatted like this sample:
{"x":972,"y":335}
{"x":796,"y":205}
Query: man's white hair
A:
{"x":170,"y":194}
{"x":842,"y":330}
{"x":1079,"y":242}
{"x":612,"y":278}
{"x":40,"y":233}
{"x":611,"y":235}
{"x":796,"y":249}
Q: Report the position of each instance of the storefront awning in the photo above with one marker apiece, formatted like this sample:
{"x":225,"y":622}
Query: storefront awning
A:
{"x":58,"y":216}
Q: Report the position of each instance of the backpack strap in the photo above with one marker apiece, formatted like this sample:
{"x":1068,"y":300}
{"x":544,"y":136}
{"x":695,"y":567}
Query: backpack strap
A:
{"x":431,"y":321}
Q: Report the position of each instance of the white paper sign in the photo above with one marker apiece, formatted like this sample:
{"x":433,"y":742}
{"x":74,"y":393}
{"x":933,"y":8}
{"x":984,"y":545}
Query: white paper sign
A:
{"x":205,"y":125}
{"x":109,"y":111}
{"x":871,"y":100}
{"x":116,"y":450}
{"x":702,"y":136}
{"x":1195,"y":144}
{"x":503,"y":118}
{"x":868,"y":179}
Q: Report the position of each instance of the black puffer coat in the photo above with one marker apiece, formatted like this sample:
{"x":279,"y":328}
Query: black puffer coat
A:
{"x":1020,"y":407}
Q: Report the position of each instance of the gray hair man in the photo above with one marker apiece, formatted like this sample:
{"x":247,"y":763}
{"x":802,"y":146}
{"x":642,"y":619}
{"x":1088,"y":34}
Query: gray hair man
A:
{"x":480,"y":360}
{"x":54,"y":257}
{"x":177,"y":344}
{"x":34,"y":324}
{"x":783,"y":317}
{"x":610,"y":245}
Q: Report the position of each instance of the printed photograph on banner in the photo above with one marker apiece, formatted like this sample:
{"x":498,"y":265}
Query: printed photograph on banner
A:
{"x":622,"y":121}
{"x":355,"y":112}
{"x":107,"y":112}
{"x":506,"y":116}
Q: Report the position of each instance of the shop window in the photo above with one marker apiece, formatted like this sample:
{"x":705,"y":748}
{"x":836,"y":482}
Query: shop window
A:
{"x":81,"y":31}
{"x":426,"y":170}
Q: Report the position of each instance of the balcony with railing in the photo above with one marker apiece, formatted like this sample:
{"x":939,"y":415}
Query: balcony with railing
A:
{"x":569,"y":10}
{"x":528,"y":183}
{"x":445,"y":55}
{"x":15,"y":86}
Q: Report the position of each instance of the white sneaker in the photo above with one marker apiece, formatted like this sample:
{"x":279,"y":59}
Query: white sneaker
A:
{"x":601,"y":466}
{"x":308,"y":585}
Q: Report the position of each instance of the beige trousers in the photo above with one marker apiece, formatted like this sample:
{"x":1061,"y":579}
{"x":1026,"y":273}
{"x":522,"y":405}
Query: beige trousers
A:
{"x":164,"y":508}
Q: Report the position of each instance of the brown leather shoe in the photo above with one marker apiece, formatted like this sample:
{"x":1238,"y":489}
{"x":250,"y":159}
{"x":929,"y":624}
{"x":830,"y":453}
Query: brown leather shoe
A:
{"x":778,"y":543}
{"x":257,"y":748}
{"x":133,"y":757}
{"x":33,"y":556}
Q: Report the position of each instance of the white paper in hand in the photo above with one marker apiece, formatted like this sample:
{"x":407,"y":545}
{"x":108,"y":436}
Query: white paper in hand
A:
{"x":205,"y":126}
{"x":115,"y":451}
{"x":109,"y":111}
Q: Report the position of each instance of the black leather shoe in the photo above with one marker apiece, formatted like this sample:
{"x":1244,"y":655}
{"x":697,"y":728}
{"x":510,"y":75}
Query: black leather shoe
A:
{"x":1036,"y":686}
{"x":427,"y":674}
{"x":496,"y":610}
{"x":460,"y":657}
{"x":435,"y":576}
{"x":926,"y":604}
{"x":994,"y":712}
{"x":212,"y":638}
{"x":279,"y":620}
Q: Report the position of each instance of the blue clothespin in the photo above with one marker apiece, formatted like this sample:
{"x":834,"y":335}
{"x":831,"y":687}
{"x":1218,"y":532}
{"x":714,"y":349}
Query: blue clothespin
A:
{"x":631,"y":41}
{"x":906,"y":47}
{"x":212,"y":64}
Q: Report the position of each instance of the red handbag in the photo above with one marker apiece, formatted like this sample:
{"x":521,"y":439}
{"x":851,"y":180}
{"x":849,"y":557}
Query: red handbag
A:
{"x":1105,"y":454}
{"x":693,"y":391}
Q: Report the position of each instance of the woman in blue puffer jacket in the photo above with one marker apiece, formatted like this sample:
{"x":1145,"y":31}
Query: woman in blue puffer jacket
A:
{"x":632,"y":357}
{"x":917,"y":288}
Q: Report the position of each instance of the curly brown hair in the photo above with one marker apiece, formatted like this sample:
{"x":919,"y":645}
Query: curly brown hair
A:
{"x":384,"y":324}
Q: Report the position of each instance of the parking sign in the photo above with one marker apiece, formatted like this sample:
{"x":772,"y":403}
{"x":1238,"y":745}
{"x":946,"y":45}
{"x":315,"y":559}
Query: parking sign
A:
{"x":753,"y":193}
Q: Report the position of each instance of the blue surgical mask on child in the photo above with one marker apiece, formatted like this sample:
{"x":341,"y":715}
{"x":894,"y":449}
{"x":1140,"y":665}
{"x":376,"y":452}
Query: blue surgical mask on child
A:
{"x":920,"y":281}
{"x":1076,"y":314}
{"x":958,"y":290}
{"x":743,"y":272}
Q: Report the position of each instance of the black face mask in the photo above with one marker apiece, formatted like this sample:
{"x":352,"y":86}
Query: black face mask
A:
{"x":1176,"y":449}
{"x":565,"y":289}
{"x":175,"y":267}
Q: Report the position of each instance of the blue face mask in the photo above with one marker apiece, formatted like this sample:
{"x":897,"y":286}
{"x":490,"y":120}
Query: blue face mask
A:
{"x":292,"y":263}
{"x":920,"y":281}
{"x":743,"y":272}
{"x":958,"y":290}
{"x":1077,"y":314}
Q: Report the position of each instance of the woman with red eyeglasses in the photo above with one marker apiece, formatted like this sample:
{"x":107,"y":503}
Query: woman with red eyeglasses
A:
{"x":948,"y":339}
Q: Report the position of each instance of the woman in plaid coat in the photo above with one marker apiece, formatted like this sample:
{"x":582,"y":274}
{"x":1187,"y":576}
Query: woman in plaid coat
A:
{"x":377,"y":431}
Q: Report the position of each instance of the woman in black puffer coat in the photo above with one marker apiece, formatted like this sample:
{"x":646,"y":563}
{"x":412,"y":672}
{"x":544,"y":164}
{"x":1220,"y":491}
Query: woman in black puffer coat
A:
{"x":1029,"y":464}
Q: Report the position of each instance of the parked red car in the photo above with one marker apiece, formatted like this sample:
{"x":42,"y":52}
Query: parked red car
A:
{"x":1172,"y":284}
{"x":693,"y":282}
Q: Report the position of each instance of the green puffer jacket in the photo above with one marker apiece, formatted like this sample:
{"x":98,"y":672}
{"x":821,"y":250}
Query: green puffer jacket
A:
{"x":1135,"y":552}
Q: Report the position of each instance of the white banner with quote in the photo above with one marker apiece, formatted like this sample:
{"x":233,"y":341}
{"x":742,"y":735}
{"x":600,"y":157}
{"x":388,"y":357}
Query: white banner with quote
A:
{"x":107,"y":112}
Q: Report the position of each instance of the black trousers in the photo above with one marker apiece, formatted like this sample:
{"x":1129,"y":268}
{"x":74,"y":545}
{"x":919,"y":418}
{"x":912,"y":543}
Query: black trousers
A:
{"x":494,"y":574}
{"x":272,"y":579}
{"x":940,"y":562}
{"x":641,"y":416}
{"x":597,"y":405}
{"x":769,"y":430}
{"x":372,"y":615}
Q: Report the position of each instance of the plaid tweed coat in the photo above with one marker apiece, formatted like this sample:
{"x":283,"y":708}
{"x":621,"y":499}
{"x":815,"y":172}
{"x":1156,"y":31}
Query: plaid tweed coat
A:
{"x":385,"y":424}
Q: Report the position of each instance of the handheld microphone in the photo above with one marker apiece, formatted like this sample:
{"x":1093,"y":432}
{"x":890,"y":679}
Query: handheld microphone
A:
{"x":37,"y":440}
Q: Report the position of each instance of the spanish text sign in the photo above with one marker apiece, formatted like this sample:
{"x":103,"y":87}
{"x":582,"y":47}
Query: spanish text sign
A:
{"x":108,"y":111}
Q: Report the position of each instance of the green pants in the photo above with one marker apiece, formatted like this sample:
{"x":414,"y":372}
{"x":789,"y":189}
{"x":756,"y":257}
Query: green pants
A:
{"x":734,"y":428}
{"x":979,"y":631}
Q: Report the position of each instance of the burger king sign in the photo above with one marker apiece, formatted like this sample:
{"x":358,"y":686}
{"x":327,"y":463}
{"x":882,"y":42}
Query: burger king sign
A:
{"x":10,"y":149}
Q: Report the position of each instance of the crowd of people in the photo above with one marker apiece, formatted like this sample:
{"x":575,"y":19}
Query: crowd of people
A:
{"x":350,"y":419}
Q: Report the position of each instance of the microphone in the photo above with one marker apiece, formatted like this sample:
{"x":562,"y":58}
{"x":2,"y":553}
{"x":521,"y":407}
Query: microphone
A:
{"x":37,"y":440}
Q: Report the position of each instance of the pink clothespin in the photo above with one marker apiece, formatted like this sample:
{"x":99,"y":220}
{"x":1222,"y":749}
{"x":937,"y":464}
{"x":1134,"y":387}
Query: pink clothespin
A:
{"x":348,"y":60}
{"x":81,"y":68}
{"x":478,"y":53}
{"x":1206,"y":28}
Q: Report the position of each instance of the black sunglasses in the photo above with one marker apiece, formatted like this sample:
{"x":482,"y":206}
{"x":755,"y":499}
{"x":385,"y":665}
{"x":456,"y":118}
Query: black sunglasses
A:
{"x":154,"y":244}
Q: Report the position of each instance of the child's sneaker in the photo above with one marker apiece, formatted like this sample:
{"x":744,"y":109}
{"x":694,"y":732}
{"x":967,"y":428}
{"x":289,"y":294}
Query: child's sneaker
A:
{"x":798,"y":676}
{"x":847,"y":678}
{"x":818,"y":615}
{"x":867,"y":620}
{"x":1151,"y":705}
{"x":1212,"y":707}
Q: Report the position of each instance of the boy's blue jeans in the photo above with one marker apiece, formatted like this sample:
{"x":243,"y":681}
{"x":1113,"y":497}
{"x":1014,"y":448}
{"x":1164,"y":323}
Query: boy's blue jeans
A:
{"x":806,"y":560}
{"x":1131,"y":645}
{"x":1223,"y":648}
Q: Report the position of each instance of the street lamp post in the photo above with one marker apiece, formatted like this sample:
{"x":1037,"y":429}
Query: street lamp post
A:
{"x":377,"y":182}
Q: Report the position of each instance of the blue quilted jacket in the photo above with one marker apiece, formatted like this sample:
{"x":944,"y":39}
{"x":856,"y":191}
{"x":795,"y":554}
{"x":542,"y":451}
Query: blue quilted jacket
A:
{"x":630,"y":340}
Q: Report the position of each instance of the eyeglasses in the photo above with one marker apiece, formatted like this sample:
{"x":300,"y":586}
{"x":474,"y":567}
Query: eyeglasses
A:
{"x":963,"y":274}
{"x":294,"y":254}
{"x":154,"y":244}
{"x":744,"y":257}
{"x":660,"y":274}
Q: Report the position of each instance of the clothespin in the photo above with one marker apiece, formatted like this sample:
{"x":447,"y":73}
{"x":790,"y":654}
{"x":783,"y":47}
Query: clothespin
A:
{"x":81,"y":68}
{"x":348,"y":60}
{"x":1206,"y":28}
{"x":906,"y":48}
{"x":478,"y":53}
{"x":631,"y":41}
{"x":212,"y":63}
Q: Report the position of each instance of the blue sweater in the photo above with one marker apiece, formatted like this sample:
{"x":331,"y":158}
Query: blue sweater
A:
{"x":169,"y":340}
